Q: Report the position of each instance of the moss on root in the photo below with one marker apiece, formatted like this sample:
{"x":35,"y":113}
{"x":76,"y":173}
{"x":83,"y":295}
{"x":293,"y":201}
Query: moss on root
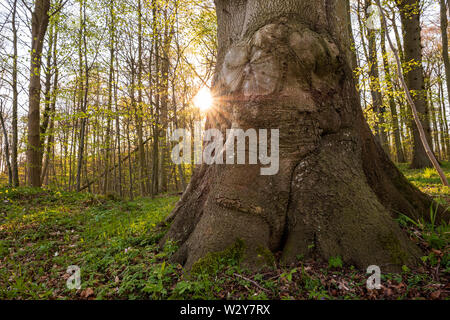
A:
{"x":214,"y":261}
{"x":391,"y":243}
{"x":265,"y":256}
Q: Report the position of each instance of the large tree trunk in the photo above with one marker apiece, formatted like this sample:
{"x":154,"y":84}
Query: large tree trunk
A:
{"x":410,"y":16}
{"x":337,"y":192}
{"x":39,"y":24}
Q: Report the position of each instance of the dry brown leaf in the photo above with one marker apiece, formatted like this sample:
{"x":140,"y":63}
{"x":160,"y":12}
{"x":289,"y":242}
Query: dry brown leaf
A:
{"x":436,"y":295}
{"x":87,"y":293}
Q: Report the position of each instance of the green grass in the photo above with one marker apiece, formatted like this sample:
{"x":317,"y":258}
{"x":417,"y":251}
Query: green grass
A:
{"x":44,"y":232}
{"x":428,"y":180}
{"x":115,"y":243}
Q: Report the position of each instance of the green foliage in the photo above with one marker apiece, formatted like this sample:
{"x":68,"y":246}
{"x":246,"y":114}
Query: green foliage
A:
{"x":405,"y":269}
{"x":429,"y":173}
{"x":194,"y":288}
{"x":428,"y":180}
{"x":288,"y":275}
{"x":106,"y":237}
{"x":335,"y":262}
{"x":437,"y":236}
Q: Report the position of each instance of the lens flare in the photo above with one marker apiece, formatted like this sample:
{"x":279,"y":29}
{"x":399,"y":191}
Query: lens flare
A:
{"x":203,"y":100}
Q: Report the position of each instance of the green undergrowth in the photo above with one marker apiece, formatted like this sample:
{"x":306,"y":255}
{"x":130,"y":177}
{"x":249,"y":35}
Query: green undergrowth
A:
{"x":428,"y":180}
{"x":115,"y":243}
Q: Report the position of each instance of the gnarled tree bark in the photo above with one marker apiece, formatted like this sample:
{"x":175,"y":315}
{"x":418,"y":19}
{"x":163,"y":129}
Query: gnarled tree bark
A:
{"x":285,"y":65}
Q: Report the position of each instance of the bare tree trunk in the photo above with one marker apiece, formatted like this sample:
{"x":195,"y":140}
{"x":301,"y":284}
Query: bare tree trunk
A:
{"x":398,"y":41}
{"x":337,"y":192}
{"x":47,"y":88}
{"x":436,"y":133}
{"x":40,"y":20}
{"x":7,"y":155}
{"x":395,"y":118}
{"x":442,"y":129}
{"x":444,"y":118}
{"x":352,"y":38}
{"x":110,"y":92}
{"x":375,"y":88}
{"x":410,"y":16}
{"x":156,"y":129}
{"x":51,"y":134}
{"x":164,"y":88}
{"x":140,"y":110}
{"x":14,"y":165}
{"x":118,"y":138}
{"x":129,"y":160}
{"x":83,"y":43}
{"x":444,"y":28}
{"x":96,"y":179}
{"x":49,"y":113}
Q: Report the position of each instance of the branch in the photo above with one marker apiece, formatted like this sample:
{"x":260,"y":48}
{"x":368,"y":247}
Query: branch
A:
{"x":89,"y":183}
{"x":58,"y":9}
{"x":252,"y":282}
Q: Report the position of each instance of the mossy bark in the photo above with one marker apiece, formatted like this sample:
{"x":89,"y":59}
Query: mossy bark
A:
{"x":286,"y":65}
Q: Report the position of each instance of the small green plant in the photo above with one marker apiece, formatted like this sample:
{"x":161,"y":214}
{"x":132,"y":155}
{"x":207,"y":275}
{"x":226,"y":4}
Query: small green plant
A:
{"x":157,"y":284}
{"x":405,"y":269}
{"x":435,"y":235}
{"x":335,"y":262}
{"x":288,"y":275}
{"x":429,"y":173}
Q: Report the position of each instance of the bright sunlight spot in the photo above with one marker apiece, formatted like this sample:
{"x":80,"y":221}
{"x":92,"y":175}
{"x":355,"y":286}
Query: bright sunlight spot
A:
{"x":203,"y":100}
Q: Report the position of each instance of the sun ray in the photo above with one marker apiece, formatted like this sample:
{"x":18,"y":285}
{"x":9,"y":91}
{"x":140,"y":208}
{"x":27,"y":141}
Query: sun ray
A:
{"x":203,"y":100}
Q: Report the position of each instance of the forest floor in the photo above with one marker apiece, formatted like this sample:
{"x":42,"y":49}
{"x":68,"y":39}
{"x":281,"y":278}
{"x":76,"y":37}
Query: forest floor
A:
{"x":114,"y":242}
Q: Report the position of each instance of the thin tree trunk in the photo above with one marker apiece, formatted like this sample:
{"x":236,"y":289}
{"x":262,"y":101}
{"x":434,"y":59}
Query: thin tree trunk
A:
{"x":110,"y":92}
{"x":140,"y":109}
{"x":444,"y":117}
{"x":81,"y":145}
{"x":444,"y":28}
{"x":130,"y":171}
{"x":410,"y":16}
{"x":445,"y":56}
{"x":96,"y":179}
{"x":14,"y":164}
{"x":156,"y":129}
{"x":40,"y":21}
{"x":51,"y":103}
{"x":7,"y":155}
{"x":390,"y":92}
{"x":375,"y":89}
{"x":435,"y":133}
